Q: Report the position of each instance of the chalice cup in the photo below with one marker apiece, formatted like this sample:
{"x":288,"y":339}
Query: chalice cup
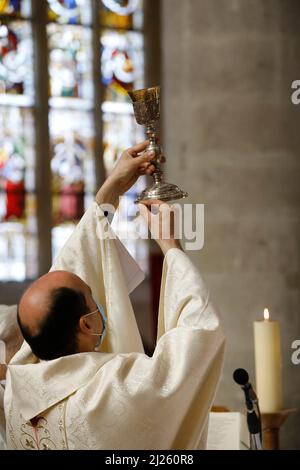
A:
{"x":146,"y":105}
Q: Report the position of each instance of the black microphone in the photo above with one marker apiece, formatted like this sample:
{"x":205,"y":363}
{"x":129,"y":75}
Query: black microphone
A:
{"x":241,"y":377}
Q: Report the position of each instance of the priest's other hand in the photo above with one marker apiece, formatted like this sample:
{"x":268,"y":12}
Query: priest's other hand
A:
{"x":162,"y":223}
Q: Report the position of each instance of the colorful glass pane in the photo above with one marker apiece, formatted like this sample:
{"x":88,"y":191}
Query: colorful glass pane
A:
{"x":122,"y":62}
{"x":17,"y":201}
{"x":70,"y":61}
{"x":127,"y":14}
{"x":73,"y":170}
{"x":60,"y":235}
{"x":120,"y":132}
{"x":15,"y":8}
{"x":70,"y":11}
{"x":130,"y":228}
{"x":16,"y":75}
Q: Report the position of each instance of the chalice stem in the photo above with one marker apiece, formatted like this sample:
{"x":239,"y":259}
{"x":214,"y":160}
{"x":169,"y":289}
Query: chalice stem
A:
{"x":153,"y":146}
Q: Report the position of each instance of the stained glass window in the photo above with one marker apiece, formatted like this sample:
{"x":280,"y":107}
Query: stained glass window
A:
{"x":15,"y":8}
{"x":122,"y":70}
{"x":18,"y":250}
{"x":120,"y":131}
{"x":122,"y":64}
{"x":72,"y":68}
{"x":70,"y":61}
{"x":16,"y":71}
{"x":71,"y":124}
{"x":127,"y":14}
{"x":18,"y":224}
{"x":69,"y":11}
{"x":73,"y":169}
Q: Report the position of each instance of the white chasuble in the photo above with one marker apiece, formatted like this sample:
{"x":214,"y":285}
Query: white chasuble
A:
{"x":119,"y":398}
{"x":8,"y":327}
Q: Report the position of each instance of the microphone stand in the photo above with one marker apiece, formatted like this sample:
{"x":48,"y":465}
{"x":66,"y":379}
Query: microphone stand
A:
{"x":253,"y":419}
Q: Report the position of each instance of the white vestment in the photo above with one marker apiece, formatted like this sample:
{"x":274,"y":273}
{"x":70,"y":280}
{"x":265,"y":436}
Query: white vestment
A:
{"x":8,"y":326}
{"x":120,"y":398}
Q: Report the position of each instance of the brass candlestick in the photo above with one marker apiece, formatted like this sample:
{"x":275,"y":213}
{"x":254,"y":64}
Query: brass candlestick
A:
{"x":271,"y":424}
{"x":146,"y":105}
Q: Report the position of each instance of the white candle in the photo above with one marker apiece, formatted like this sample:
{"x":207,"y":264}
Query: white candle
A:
{"x":268,"y":364}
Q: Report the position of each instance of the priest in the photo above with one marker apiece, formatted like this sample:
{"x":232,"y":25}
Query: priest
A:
{"x":81,"y":379}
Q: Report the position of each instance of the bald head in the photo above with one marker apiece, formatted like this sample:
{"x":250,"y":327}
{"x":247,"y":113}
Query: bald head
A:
{"x":36,"y":301}
{"x":49,"y":313}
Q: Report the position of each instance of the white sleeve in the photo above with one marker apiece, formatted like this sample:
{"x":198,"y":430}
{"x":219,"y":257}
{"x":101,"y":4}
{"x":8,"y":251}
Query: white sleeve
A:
{"x":184,"y":297}
{"x":93,"y":254}
{"x":184,"y":372}
{"x":8,"y":321}
{"x":166,"y":398}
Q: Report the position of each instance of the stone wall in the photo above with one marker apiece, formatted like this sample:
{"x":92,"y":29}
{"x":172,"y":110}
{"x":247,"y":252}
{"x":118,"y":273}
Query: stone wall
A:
{"x":231,"y":137}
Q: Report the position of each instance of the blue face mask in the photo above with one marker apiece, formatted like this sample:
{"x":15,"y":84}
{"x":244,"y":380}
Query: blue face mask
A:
{"x":104,"y":321}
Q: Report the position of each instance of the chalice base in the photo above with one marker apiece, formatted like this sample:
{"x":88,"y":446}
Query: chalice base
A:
{"x":161,"y":191}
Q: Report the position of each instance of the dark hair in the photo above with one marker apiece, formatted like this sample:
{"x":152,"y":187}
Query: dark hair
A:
{"x":57,"y":331}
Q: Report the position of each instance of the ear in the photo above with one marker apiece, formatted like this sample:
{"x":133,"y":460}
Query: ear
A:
{"x":84,"y":325}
